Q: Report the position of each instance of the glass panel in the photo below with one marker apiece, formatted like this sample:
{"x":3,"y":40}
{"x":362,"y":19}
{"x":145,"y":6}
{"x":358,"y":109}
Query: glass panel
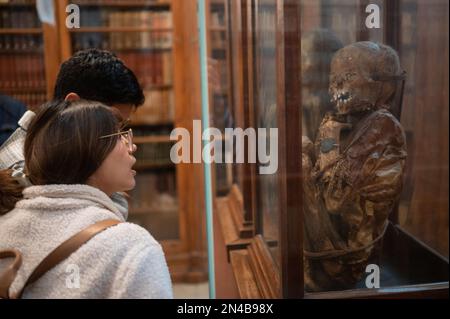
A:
{"x":141,"y":36}
{"x":266,"y":117}
{"x":364,"y":161}
{"x":220,"y":89}
{"x":424,"y":38}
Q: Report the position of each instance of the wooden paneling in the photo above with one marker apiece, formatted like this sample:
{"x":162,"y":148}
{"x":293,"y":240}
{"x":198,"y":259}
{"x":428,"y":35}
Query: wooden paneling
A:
{"x":289,"y":148}
{"x":424,"y":55}
{"x":225,"y":284}
{"x":256,"y":273}
{"x":187,"y":108}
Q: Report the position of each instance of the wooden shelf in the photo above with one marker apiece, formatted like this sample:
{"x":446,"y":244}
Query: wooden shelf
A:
{"x":118,"y":29}
{"x":143,"y":50}
{"x":22,"y":51}
{"x":25,"y":31}
{"x":17,"y":4}
{"x":19,"y":90}
{"x":132,"y":3}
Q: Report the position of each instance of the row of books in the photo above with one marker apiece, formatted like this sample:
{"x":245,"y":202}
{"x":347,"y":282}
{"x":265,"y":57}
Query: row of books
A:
{"x":17,"y":1}
{"x":158,"y":108}
{"x":12,"y":17}
{"x":22,"y":72}
{"x":145,"y":19}
{"x":153,"y":154}
{"x":151,"y":69}
{"x":156,"y":29}
{"x":31,"y":100}
{"x":112,"y":2}
{"x":21,"y":43}
{"x":116,"y":41}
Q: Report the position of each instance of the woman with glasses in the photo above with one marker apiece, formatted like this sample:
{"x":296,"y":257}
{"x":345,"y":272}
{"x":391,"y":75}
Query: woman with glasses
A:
{"x":76,"y":157}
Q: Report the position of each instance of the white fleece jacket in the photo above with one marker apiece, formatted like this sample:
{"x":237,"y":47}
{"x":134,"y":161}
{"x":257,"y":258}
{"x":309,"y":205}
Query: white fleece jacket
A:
{"x":124,"y":261}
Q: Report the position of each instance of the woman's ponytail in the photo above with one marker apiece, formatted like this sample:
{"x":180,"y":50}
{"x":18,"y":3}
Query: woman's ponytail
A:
{"x":10,"y":191}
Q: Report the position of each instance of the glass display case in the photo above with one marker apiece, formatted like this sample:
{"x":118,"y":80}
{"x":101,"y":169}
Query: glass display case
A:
{"x":358,"y":205}
{"x":153,"y":38}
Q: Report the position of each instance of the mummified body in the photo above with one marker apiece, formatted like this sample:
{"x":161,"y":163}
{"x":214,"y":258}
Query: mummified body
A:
{"x":353,"y":172}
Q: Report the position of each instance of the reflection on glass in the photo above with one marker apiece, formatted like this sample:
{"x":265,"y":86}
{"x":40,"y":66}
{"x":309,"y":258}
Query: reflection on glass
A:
{"x":219,"y":63}
{"x":267,"y":115}
{"x":361,"y":162}
{"x":424,"y":45}
{"x":360,"y":154}
{"x":340,"y":16}
{"x":317,"y":49}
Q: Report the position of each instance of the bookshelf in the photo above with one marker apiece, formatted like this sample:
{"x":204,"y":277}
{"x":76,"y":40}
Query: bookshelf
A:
{"x":143,"y":34}
{"x":22,"y":56}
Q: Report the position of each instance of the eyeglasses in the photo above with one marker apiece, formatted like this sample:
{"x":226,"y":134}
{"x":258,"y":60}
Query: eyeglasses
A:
{"x":127,"y":138}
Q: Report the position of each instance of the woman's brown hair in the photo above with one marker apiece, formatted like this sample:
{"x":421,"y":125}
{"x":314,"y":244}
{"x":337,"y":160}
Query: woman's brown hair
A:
{"x":63,"y":146}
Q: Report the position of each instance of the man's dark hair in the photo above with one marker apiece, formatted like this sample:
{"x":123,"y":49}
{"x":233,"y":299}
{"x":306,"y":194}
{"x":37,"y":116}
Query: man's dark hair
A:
{"x":63,"y":146}
{"x":98,"y":75}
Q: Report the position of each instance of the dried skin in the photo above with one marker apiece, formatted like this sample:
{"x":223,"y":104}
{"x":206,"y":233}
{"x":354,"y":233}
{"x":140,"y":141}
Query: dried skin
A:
{"x":354,"y":179}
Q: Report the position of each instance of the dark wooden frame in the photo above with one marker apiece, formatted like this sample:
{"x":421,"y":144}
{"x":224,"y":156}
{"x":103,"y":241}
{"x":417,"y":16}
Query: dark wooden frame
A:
{"x":272,"y":280}
{"x":256,"y":273}
{"x":290,"y":159}
{"x":236,"y":211}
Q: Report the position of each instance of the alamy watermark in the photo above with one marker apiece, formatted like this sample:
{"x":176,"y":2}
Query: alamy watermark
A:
{"x":73,"y":17}
{"x":373,"y":19}
{"x":373,"y":277}
{"x":262,"y":146}
{"x":73,"y":276}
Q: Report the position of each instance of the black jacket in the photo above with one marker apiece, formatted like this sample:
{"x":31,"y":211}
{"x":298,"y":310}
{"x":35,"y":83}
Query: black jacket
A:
{"x":11,"y":111}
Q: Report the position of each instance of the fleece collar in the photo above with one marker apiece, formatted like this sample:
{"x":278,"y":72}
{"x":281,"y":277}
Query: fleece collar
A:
{"x":62,"y":197}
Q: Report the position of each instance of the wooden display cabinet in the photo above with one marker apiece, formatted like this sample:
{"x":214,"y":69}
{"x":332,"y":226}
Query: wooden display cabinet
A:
{"x":269,"y":262}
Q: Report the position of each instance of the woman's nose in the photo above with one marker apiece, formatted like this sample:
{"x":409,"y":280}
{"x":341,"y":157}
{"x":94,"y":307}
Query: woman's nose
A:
{"x":133,"y":149}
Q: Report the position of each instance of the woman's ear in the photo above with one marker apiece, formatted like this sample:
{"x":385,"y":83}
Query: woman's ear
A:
{"x":72,"y":97}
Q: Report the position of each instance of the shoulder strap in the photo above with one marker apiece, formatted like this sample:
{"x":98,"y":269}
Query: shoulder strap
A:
{"x":66,"y":249}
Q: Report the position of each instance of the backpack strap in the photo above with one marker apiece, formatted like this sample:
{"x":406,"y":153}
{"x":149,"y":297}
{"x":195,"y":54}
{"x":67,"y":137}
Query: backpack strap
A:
{"x":64,"y":250}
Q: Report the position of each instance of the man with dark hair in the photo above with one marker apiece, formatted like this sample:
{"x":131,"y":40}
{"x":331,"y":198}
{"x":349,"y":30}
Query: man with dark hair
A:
{"x":90,"y":74}
{"x":99,"y":76}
